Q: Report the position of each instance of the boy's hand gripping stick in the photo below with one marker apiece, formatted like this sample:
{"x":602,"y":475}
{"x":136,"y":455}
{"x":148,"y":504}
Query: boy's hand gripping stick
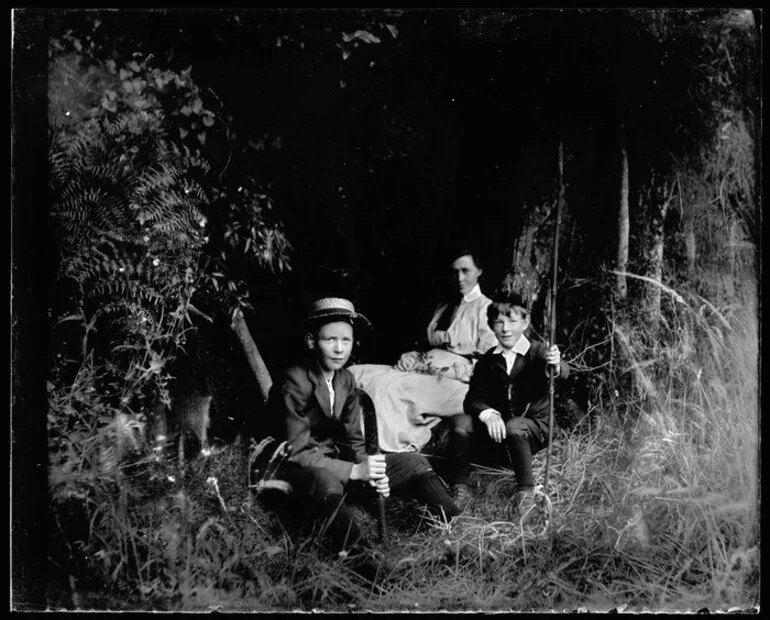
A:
{"x":372,"y":444}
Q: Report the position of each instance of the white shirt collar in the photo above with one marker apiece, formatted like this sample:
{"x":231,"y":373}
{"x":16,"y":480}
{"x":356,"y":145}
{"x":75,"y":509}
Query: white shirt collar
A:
{"x":331,"y":391}
{"x":521,"y":347}
{"x":474,"y":293}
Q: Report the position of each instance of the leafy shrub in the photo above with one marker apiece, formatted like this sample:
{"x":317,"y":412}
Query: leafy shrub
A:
{"x":148,"y":233}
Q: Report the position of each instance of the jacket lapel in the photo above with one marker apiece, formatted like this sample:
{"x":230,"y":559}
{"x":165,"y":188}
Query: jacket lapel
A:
{"x":518,"y":365}
{"x":320,"y":389}
{"x":498,"y":364}
{"x":522,"y":349}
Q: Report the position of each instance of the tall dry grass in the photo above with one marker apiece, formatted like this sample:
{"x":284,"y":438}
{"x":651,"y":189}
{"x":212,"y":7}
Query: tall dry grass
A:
{"x":656,"y":509}
{"x":693,"y":451}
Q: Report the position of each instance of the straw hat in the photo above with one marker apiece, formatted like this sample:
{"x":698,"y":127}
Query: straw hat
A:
{"x":334,"y":308}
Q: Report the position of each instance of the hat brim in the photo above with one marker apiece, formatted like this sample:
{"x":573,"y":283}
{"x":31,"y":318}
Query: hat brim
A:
{"x":355,"y":318}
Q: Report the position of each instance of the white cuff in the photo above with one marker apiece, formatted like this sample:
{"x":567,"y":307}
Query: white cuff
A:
{"x":485,"y":415}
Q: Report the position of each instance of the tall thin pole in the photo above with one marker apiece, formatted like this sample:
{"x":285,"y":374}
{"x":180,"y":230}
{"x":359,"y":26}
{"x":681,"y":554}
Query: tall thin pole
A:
{"x":552,"y":338}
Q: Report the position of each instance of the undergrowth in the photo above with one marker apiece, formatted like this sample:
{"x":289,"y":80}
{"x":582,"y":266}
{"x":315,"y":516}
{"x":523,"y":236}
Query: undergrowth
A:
{"x":656,"y":508}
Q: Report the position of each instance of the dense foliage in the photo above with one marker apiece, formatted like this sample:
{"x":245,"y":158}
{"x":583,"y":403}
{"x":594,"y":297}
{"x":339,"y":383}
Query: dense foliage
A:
{"x":153,"y":235}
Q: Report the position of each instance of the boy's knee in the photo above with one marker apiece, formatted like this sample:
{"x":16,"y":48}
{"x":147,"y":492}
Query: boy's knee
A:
{"x":515,"y":429}
{"x":403,"y":467}
{"x":331,"y":500}
{"x":411,"y":462}
{"x":462,"y":424}
{"x":324,"y":483}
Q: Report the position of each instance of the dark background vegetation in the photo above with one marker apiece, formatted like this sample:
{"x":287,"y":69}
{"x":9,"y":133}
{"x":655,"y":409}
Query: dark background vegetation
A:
{"x":381,"y":157}
{"x":446,"y":133}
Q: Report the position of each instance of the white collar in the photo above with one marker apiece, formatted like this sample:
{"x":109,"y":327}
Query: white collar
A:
{"x":521,"y":347}
{"x":473,"y":294}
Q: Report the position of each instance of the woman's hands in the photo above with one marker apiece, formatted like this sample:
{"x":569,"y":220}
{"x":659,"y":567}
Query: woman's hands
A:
{"x":407,"y":361}
{"x":495,"y":426}
{"x":372,"y":470}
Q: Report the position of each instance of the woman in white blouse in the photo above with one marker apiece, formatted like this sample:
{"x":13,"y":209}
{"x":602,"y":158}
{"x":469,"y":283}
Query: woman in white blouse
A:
{"x":412,"y":396}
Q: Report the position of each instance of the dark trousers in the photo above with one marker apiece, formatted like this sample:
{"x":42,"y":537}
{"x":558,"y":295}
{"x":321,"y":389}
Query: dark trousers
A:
{"x":450,"y":449}
{"x":468,"y":437}
{"x":410,"y":474}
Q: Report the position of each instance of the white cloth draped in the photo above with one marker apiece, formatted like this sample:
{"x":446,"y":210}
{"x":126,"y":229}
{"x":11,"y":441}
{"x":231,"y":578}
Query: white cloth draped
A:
{"x":409,"y":404}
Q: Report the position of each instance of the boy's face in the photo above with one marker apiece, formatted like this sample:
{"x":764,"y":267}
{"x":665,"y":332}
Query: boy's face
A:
{"x":332,"y":344}
{"x":509,"y":326}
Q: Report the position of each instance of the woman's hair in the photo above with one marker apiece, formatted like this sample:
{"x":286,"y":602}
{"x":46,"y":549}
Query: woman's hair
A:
{"x":504,"y":305}
{"x":465,"y":251}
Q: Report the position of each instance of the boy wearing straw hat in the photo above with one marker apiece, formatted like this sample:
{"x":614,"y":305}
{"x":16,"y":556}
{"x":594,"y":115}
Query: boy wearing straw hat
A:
{"x":506,"y":405}
{"x":319,"y":414}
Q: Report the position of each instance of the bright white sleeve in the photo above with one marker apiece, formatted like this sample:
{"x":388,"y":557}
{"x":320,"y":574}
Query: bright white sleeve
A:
{"x":433,"y":322}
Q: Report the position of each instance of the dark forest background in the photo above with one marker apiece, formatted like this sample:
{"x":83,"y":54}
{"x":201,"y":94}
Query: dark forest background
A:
{"x":279,"y":155}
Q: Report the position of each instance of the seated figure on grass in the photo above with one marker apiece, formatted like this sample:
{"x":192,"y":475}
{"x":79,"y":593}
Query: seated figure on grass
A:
{"x":318,"y":412}
{"x":419,"y":398}
{"x":506,"y":407}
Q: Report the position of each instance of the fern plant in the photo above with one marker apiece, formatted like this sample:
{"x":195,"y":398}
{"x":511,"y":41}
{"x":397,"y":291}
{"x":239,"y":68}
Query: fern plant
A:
{"x":127,"y":207}
{"x":149,"y":220}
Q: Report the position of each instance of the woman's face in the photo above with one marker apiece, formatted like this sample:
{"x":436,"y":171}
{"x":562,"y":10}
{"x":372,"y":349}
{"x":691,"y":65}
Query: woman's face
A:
{"x":465,"y":274}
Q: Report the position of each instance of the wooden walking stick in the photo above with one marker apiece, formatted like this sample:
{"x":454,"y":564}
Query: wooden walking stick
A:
{"x":371,"y":441}
{"x":552,"y":338}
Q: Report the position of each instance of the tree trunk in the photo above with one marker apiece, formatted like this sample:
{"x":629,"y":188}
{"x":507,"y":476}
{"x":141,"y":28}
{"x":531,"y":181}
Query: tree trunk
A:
{"x":532,"y":256}
{"x":531,"y":262}
{"x":524,"y":278}
{"x":688,"y":216}
{"x":659,"y":200}
{"x":253,"y":356}
{"x":623,"y":211}
{"x":689,"y":244}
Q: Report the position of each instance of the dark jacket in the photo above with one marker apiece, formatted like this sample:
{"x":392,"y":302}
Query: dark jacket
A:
{"x":522,"y":393}
{"x":318,"y":437}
